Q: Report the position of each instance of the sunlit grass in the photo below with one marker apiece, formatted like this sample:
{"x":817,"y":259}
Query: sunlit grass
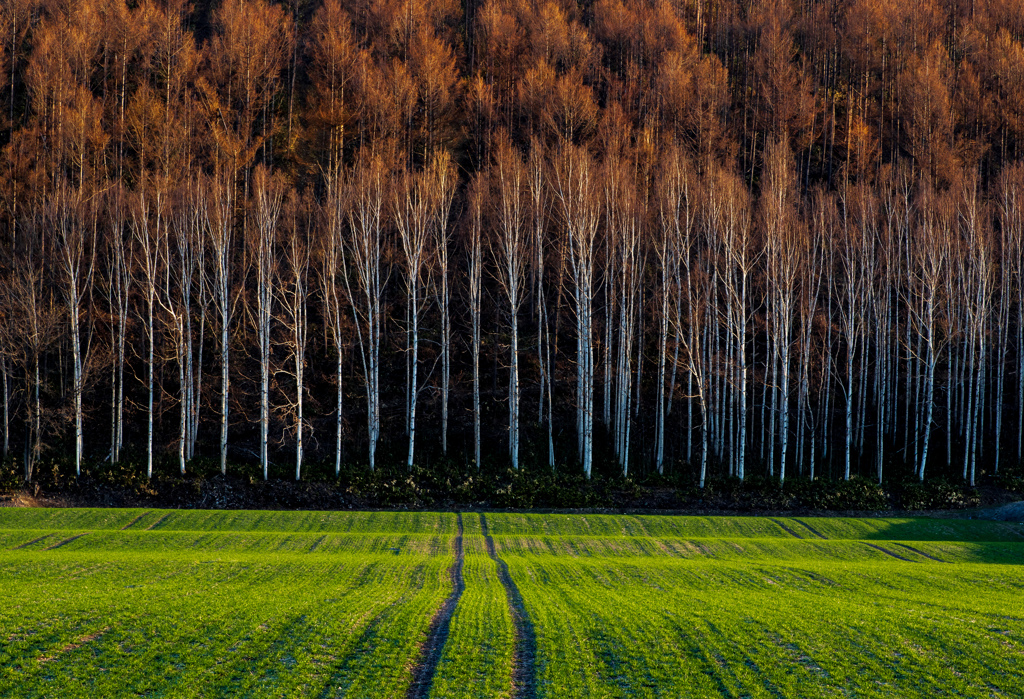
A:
{"x":101,"y":603}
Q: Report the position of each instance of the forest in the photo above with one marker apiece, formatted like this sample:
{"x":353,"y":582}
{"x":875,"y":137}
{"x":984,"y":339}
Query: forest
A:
{"x":702,"y":237}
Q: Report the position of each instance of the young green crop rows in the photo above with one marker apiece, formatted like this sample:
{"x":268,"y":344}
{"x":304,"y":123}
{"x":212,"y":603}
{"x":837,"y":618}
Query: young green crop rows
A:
{"x":104,"y":603}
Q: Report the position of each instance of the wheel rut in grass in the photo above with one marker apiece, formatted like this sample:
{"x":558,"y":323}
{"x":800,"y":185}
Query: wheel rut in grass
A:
{"x":33,"y":541}
{"x":921,"y":553}
{"x":157,"y":523}
{"x":887,"y":552}
{"x":788,"y":530}
{"x":437,"y":634}
{"x":65,"y":542}
{"x":135,"y":521}
{"x":809,"y":528}
{"x":524,"y":679}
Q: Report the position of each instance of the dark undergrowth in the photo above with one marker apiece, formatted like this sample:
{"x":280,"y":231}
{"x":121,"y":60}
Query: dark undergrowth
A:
{"x":451,"y":484}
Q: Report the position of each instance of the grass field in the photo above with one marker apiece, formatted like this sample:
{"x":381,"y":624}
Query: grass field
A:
{"x":97,"y":603}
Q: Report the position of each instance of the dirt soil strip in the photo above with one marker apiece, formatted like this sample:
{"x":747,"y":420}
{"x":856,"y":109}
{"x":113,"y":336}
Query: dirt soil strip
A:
{"x":135,"y":521}
{"x":787,"y":529}
{"x":811,"y":529}
{"x":437,"y":634}
{"x":65,"y":542}
{"x":887,"y":552}
{"x":524,"y":678}
{"x":921,"y":553}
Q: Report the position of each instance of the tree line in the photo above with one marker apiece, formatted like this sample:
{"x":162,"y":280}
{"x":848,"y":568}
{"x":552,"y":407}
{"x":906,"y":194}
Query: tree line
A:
{"x":731,"y":237}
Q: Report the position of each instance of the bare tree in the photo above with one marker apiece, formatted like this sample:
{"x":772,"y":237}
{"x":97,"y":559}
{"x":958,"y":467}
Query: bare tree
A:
{"x":366,"y":215}
{"x":576,"y":193}
{"x":293,"y":288}
{"x":782,"y":259}
{"x":930,"y":253}
{"x":412,"y":209}
{"x":477,"y":203}
{"x":1011,"y":223}
{"x":538,"y":201}
{"x":118,"y":294}
{"x":332,"y":290}
{"x":76,"y":262}
{"x":181,"y":267}
{"x":148,"y":227}
{"x":444,"y":182}
{"x":509,"y":249}
{"x":269,"y":191}
{"x":219,"y":213}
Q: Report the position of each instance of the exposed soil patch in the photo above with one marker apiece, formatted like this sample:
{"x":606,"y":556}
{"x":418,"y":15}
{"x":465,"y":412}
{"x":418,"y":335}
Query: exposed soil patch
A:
{"x":74,"y":646}
{"x":524,"y":676}
{"x":437,"y":635}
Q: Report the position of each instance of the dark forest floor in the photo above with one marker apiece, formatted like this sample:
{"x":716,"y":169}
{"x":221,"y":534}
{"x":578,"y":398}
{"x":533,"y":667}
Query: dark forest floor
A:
{"x":858,"y":498}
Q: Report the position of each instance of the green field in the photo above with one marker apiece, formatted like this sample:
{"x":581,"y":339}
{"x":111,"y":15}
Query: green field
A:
{"x":97,"y":603}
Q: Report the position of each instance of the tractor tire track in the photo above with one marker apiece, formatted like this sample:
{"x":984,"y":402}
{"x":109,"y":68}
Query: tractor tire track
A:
{"x":135,"y":521}
{"x":524,"y":676}
{"x":809,"y":528}
{"x":34,"y":541}
{"x":437,"y":634}
{"x":788,"y":530}
{"x":921,"y":553}
{"x":888,"y":552}
{"x":157,"y":523}
{"x":65,"y":542}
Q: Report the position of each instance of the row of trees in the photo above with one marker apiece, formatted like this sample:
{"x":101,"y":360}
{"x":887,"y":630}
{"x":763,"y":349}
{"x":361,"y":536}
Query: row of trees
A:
{"x":710,"y":234}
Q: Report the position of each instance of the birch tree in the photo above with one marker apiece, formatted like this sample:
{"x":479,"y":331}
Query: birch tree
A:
{"x":76,"y":265}
{"x":575,"y":191}
{"x":363,"y":254}
{"x":1011,"y":223}
{"x":293,"y":288}
{"x":332,"y":292}
{"x":538,"y":210}
{"x":412,"y":210}
{"x":509,"y":249}
{"x":149,"y":229}
{"x":738,"y":260}
{"x":219,"y":213}
{"x":444,"y":181}
{"x":118,"y":279}
{"x":931,"y":252}
{"x":269,"y":193}
{"x":477,"y":203}
{"x":781,"y":258}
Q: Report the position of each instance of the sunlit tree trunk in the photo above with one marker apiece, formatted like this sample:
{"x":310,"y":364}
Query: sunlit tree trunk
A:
{"x":149,"y":236}
{"x":574,"y":190}
{"x":76,"y":272}
{"x":294,"y":292}
{"x":931,"y":252}
{"x":269,"y":194}
{"x":444,"y":182}
{"x":510,"y":255}
{"x":332,"y":292}
{"x":366,"y":215}
{"x":220,"y":213}
{"x":782,"y":252}
{"x":477,"y":202}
